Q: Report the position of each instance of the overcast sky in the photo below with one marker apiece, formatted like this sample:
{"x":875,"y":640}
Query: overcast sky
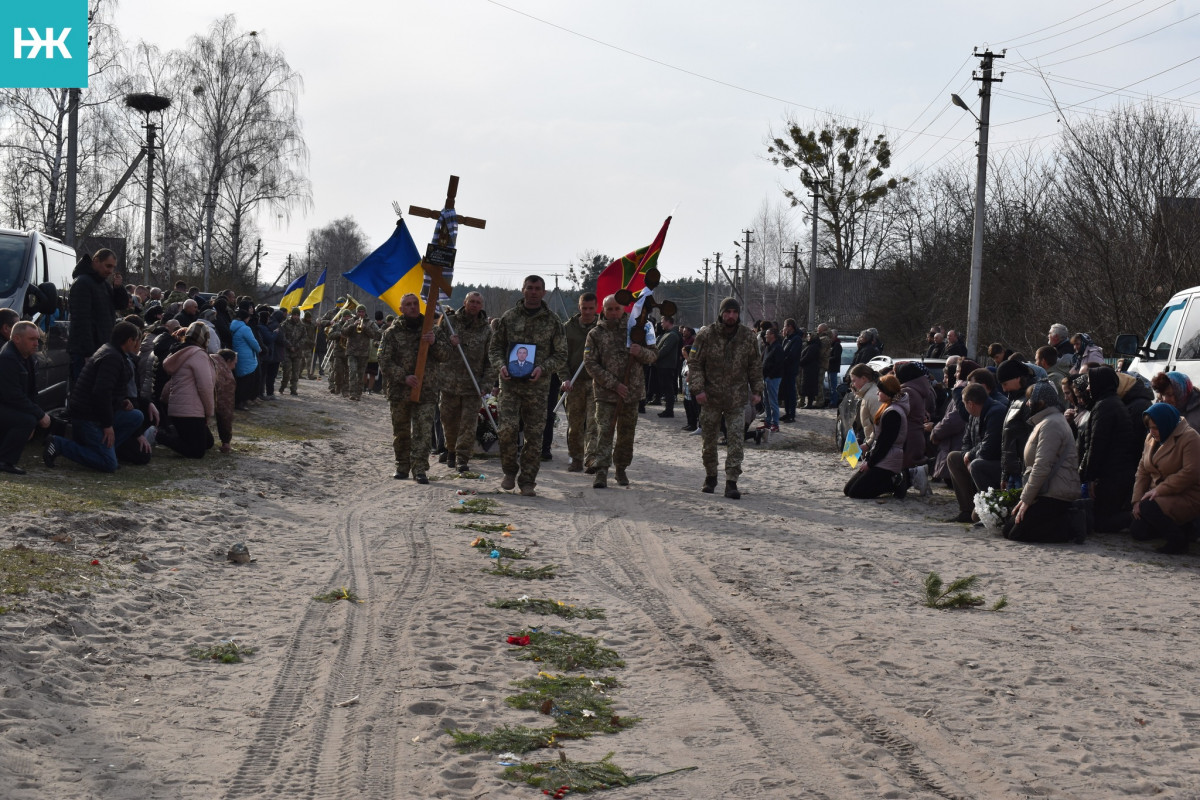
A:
{"x":565,"y":143}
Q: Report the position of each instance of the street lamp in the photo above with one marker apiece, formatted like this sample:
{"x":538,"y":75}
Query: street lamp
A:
{"x":147,"y":104}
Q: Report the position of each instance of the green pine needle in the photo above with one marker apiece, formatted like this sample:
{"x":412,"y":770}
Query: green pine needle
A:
{"x":567,"y":651}
{"x":544,"y":606}
{"x":580,"y":776}
{"x":526,"y":574}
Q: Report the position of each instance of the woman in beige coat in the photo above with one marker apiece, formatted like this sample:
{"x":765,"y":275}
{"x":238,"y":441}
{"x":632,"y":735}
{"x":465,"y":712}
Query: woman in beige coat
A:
{"x":1046,"y":511}
{"x":190,"y":395}
{"x":1166,"y":492}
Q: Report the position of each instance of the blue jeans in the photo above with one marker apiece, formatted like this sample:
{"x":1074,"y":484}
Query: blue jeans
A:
{"x":88,"y":448}
{"x":772,"y":401}
{"x":832,"y":395}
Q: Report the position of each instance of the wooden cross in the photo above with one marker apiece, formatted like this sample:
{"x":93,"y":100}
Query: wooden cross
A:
{"x":438,"y":284}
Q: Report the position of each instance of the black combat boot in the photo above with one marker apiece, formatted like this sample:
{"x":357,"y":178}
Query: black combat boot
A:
{"x":622,"y":478}
{"x":601,"y":479}
{"x":710,"y":484}
{"x":731,"y":490}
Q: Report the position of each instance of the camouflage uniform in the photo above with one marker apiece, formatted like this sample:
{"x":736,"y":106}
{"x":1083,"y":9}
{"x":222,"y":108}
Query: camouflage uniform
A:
{"x":310,"y":343}
{"x":826,"y":339}
{"x":412,"y":422}
{"x":606,"y":358}
{"x":524,"y":400}
{"x":336,"y":346}
{"x":722,"y":367}
{"x":358,"y":332}
{"x":460,"y":399}
{"x":580,"y":402}
{"x":295,"y":339}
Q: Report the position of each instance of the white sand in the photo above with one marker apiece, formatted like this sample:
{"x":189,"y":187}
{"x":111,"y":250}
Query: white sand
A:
{"x":779,"y":643}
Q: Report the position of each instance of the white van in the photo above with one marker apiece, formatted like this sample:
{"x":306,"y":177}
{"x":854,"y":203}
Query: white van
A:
{"x":34,"y":270}
{"x":1173,"y":344}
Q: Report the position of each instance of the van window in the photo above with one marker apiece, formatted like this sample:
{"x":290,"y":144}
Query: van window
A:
{"x":1189,"y":336}
{"x":1165,"y":327}
{"x":12,"y":263}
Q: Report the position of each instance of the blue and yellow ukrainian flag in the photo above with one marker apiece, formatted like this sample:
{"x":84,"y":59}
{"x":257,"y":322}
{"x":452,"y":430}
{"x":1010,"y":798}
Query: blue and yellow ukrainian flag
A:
{"x":851,"y":453}
{"x":316,"y":295}
{"x":393,"y":270}
{"x":293,"y":293}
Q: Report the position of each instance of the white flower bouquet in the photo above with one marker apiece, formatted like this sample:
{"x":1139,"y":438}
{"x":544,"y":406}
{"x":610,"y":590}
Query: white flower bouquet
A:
{"x":994,"y":505}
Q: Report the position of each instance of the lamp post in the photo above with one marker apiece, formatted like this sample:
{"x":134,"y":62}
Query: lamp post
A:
{"x":148,"y":103}
{"x":985,"y":106}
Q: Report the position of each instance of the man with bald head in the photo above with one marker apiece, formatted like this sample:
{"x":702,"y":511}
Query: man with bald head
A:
{"x":412,"y":423}
{"x":19,"y":410}
{"x":618,"y":381}
{"x":461,"y":398}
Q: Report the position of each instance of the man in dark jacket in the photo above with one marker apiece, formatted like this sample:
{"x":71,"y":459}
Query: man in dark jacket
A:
{"x":93,"y":305}
{"x":1014,"y":378}
{"x":19,"y":411}
{"x":833,"y":370}
{"x":670,"y":350}
{"x":102,"y":414}
{"x":976,"y":467}
{"x":793,"y":343}
{"x":867,"y":348}
{"x":1108,"y":463}
{"x":954,"y":345}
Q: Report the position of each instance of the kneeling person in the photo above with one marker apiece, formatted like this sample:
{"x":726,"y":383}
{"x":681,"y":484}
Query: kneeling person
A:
{"x":412,"y":423}
{"x":618,"y":385}
{"x":19,"y":411}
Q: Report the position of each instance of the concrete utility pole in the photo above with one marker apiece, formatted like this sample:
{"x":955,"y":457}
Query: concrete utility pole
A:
{"x":704,"y":308}
{"x":812,"y":268}
{"x":746,"y":275}
{"x":985,"y":93}
{"x":258,"y":254}
{"x":72,"y":164}
{"x":795,"y":269}
{"x":737,"y":276}
{"x":151,"y":130}
{"x":720,"y":271}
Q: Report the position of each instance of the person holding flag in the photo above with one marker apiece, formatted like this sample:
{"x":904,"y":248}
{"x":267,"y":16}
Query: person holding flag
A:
{"x":618,"y":384}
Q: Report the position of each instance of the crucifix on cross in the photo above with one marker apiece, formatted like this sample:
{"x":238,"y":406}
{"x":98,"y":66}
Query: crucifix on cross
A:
{"x":439,"y":267}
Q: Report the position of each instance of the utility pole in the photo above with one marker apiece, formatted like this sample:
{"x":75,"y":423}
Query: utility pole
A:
{"x":719,"y":272}
{"x":985,"y":107}
{"x":737,"y":276}
{"x":72,"y":163}
{"x":289,"y":267}
{"x":812,"y":268}
{"x":704,"y":311}
{"x":795,"y":270}
{"x":151,"y":130}
{"x":746,"y":275}
{"x":258,"y":254}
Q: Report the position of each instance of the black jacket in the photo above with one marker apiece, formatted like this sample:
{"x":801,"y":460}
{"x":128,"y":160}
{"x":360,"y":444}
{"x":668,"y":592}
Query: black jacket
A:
{"x":866,"y":353}
{"x":792,"y":345}
{"x":92,"y":305}
{"x":1014,"y":435}
{"x":102,"y":388}
{"x":835,"y":357}
{"x":985,"y":432}
{"x":670,"y":346}
{"x":1112,"y":445}
{"x":957,"y":349}
{"x":18,"y":382}
{"x":773,"y":361}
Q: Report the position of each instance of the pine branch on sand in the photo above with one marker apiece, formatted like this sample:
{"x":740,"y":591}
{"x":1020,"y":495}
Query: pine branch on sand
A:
{"x":567,"y":651}
{"x":546,"y":606}
{"x":476,"y":505}
{"x":957,"y":594}
{"x":543,"y":573}
{"x":557,"y":778}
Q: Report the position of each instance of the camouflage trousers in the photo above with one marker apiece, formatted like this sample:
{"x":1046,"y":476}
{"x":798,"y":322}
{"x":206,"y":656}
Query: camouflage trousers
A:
{"x":291,"y":372}
{"x":522,"y":402}
{"x":460,"y":418}
{"x":710,"y":431}
{"x":356,"y":371}
{"x":337,"y":372}
{"x":412,"y":429}
{"x":581,"y":421}
{"x":612,"y":421}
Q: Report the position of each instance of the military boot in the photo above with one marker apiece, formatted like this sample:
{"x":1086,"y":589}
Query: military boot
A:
{"x":400,"y":474}
{"x":710,"y":484}
{"x":509,"y":482}
{"x":444,"y":458}
{"x":576,"y":465}
{"x":462,"y":467}
{"x":731,"y":490}
{"x":601,"y":479}
{"x":622,"y":478}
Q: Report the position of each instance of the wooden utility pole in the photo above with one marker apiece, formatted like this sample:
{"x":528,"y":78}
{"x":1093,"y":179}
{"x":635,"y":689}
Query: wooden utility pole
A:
{"x":704,"y":308}
{"x":258,"y":254}
{"x":812,"y":267}
{"x":746,"y":274}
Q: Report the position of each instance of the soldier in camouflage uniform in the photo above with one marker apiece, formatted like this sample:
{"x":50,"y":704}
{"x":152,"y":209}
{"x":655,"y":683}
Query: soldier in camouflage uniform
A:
{"x":411,"y":422}
{"x":619,"y":385}
{"x":336,"y":349}
{"x":359,"y":331}
{"x":295,"y":341}
{"x":580,"y":403}
{"x":310,"y":343}
{"x":724,"y":360}
{"x":523,"y":400}
{"x":460,"y":399}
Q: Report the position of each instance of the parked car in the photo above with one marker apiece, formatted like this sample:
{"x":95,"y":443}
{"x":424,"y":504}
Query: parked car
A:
{"x":34,"y":269}
{"x":1173,"y":343}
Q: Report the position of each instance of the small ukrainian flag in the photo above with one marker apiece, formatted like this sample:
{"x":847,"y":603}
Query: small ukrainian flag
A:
{"x":851,"y":452}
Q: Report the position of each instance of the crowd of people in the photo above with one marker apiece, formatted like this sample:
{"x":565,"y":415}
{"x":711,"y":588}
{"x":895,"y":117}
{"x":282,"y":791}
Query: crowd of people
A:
{"x":1081,"y":446}
{"x":1084,"y":447}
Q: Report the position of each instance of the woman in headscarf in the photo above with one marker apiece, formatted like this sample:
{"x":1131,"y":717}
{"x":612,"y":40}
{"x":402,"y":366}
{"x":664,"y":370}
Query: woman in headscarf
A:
{"x":1051,"y":481}
{"x":1166,"y":492}
{"x":1176,"y":388}
{"x":1087,"y":354}
{"x":881,"y":470}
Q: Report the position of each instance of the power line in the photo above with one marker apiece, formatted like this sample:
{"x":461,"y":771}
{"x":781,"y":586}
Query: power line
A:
{"x":1093,"y":22}
{"x":1080,"y":83}
{"x":1055,"y":25}
{"x":1110,"y":47}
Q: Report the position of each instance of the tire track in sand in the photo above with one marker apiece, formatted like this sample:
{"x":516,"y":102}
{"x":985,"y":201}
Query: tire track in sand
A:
{"x":675,"y":592}
{"x":306,"y":752}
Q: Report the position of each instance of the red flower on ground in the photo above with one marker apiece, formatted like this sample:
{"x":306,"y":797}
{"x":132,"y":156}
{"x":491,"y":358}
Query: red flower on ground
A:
{"x":519,"y":641}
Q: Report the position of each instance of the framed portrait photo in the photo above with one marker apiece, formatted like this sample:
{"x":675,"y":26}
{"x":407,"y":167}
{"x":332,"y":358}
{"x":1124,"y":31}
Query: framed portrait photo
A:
{"x":520,"y":360}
